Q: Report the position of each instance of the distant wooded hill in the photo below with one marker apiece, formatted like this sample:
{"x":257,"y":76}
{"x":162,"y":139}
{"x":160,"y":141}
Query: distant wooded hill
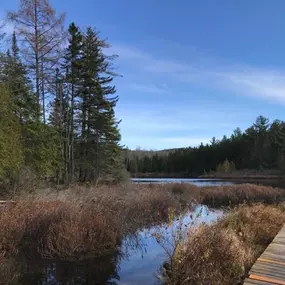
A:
{"x":261,"y":146}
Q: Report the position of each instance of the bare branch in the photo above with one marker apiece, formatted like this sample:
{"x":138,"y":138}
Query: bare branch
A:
{"x":41,"y":33}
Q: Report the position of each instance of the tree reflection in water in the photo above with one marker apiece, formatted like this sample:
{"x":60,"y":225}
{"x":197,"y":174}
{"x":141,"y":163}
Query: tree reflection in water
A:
{"x":33,"y":270}
{"x":36,"y":271}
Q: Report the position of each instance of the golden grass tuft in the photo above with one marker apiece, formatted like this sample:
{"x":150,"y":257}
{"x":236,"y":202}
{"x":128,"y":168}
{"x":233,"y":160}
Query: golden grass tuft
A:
{"x":56,"y":228}
{"x":223,"y":253}
{"x":85,"y":220}
{"x":239,"y":194}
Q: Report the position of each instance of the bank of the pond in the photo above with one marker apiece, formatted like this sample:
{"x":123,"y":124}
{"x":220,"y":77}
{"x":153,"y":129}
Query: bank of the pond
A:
{"x":215,"y":253}
{"x":222,"y":253}
{"x":138,"y":261}
{"x":85,"y":221}
{"x":246,"y":174}
{"x":194,"y":181}
{"x":81,"y":221}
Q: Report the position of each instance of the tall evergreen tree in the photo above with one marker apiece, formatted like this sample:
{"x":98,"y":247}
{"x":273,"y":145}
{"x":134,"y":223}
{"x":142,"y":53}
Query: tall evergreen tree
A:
{"x":37,"y":141}
{"x":99,"y":135}
{"x":72,"y":68}
{"x":58,"y":121}
{"x":16,"y":78}
{"x":80,"y":140}
{"x":11,"y":155}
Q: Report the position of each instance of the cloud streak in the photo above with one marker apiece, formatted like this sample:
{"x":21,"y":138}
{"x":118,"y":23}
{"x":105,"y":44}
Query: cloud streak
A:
{"x":148,"y":88}
{"x":263,"y":83}
{"x":186,"y":110}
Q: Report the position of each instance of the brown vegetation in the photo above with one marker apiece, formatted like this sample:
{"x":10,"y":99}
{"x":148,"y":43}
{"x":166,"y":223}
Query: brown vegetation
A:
{"x":56,"y":228}
{"x":222,"y":253}
{"x":86,"y":220}
{"x":240,"y":193}
{"x":80,"y":221}
{"x":245,"y":174}
{"x":219,"y":196}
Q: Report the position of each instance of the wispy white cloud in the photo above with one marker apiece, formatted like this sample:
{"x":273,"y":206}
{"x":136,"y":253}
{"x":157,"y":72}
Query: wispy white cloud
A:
{"x":148,"y":88}
{"x":267,"y":84}
{"x":171,"y":122}
{"x":243,"y":80}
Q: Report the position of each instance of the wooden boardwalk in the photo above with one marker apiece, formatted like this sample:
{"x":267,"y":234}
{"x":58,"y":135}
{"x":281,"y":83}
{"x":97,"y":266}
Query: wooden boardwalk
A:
{"x":269,"y":268}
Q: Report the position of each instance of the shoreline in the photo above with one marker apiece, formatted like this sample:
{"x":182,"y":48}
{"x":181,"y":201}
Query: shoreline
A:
{"x":222,"y":176}
{"x":243,"y":177}
{"x":67,"y":225}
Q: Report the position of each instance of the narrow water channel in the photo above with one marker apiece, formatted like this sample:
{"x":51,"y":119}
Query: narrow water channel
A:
{"x":140,"y":262}
{"x":139,"y":265}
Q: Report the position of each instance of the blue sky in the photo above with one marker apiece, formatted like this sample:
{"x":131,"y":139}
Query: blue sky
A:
{"x":191,"y":69}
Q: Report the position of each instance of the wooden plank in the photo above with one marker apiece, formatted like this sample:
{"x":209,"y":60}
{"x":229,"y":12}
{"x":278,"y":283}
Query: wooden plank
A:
{"x":256,"y":282}
{"x":270,"y":261}
{"x":266,"y":279}
{"x":270,"y":266}
{"x":272,"y":256}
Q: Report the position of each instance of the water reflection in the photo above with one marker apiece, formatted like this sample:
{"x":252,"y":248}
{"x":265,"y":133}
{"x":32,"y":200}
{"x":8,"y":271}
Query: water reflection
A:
{"x":211,"y":182}
{"x":36,"y":271}
{"x":142,"y":266}
{"x":142,"y":259}
{"x":197,"y":182}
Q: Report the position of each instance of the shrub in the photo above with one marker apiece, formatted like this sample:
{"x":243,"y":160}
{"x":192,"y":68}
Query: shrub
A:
{"x":223,"y":253}
{"x":256,"y":226}
{"x":9,"y":271}
{"x":240,"y":193}
{"x":56,"y":228}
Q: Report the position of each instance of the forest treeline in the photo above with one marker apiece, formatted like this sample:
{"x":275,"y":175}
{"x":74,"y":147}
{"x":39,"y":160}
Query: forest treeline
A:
{"x":57,"y":100}
{"x":260,"y":147}
{"x":57,"y":118}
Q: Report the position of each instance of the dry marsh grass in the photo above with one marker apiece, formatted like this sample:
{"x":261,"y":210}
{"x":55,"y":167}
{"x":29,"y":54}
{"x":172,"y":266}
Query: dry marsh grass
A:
{"x":80,"y":221}
{"x":239,"y":194}
{"x":56,"y":228}
{"x":85,"y":220}
{"x":223,"y":253}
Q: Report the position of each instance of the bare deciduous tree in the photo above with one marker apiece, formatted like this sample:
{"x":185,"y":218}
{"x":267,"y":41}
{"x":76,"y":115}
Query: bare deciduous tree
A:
{"x":41,"y":34}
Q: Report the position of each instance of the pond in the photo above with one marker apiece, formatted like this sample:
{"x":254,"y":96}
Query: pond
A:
{"x":141,"y":259}
{"x":212,"y":182}
{"x":140,"y":263}
{"x":197,"y":182}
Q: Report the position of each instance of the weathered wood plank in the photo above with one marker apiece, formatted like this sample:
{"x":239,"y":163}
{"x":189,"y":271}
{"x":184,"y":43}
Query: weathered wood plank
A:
{"x":256,"y":282}
{"x":266,"y":279}
{"x":270,"y":267}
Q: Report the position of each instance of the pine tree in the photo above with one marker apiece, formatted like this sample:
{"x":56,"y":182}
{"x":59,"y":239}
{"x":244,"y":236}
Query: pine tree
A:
{"x":16,"y":78}
{"x":11,"y":156}
{"x":72,"y":68}
{"x":58,"y":120}
{"x":37,"y":141}
{"x":99,"y":150}
{"x":261,"y":124}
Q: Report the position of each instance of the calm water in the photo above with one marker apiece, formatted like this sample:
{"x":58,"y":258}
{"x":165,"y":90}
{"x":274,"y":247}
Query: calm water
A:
{"x":140,"y":265}
{"x":197,"y":182}
{"x":142,"y":255}
{"x":211,"y":182}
